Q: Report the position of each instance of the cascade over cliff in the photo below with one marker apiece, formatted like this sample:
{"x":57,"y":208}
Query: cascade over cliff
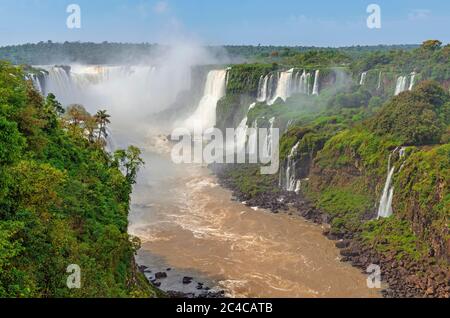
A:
{"x":371,"y":151}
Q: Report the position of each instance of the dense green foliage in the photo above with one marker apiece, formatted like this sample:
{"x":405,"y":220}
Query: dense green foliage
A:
{"x":63,"y":200}
{"x":420,"y":117}
{"x":269,"y":54}
{"x":431,"y":60}
{"x":354,"y":163}
{"x":106,"y":53}
{"x":244,"y":78}
{"x":318,"y":58}
{"x":44,"y":53}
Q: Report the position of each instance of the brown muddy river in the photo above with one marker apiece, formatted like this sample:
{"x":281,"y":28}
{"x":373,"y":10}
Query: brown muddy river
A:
{"x":190,"y":224}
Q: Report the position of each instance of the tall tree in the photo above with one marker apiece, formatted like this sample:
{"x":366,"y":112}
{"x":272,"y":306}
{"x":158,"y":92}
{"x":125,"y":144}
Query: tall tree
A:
{"x":130,"y":160}
{"x":102,"y":119}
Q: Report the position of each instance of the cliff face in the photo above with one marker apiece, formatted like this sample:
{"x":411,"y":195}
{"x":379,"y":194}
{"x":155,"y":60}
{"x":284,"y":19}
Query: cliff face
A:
{"x":421,"y":189}
{"x":358,"y":163}
{"x":423,"y":196}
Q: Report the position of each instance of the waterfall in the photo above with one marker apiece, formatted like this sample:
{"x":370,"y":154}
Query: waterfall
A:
{"x":263,"y":88}
{"x":205,"y":115}
{"x":253,"y":139}
{"x":385,"y":207}
{"x":303,"y":83}
{"x":412,"y":81}
{"x":380,"y":80}
{"x":283,"y":87}
{"x":316,"y":83}
{"x":36,"y":83}
{"x":363,"y":78}
{"x":271,"y":86}
{"x":268,"y":141}
{"x":401,"y":85}
{"x":107,"y":86}
{"x":291,"y":180}
{"x":241,"y":135}
{"x":58,"y":82}
{"x":241,"y":132}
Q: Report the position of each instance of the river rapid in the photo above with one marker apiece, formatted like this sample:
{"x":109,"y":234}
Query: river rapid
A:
{"x":190,"y":226}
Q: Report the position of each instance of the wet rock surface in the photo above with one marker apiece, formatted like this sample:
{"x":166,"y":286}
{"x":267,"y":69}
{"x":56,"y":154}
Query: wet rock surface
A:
{"x":175,"y":285}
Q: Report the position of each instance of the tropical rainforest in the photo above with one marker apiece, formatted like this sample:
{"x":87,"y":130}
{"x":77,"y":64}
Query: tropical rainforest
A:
{"x":63,"y":199}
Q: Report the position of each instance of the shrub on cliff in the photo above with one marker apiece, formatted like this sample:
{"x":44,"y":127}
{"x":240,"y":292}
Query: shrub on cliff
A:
{"x":419,"y":117}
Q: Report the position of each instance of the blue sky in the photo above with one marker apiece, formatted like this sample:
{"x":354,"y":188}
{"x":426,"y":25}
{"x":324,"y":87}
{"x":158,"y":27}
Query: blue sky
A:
{"x":281,"y":22}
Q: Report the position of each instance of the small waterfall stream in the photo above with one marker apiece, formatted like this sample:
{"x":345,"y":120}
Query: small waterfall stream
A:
{"x":242,"y":132}
{"x":380,"y":80}
{"x":316,"y":83}
{"x":263,"y":88}
{"x":268,"y":141}
{"x":292,"y":184}
{"x":412,"y":81}
{"x":362,"y":81}
{"x":385,"y":206}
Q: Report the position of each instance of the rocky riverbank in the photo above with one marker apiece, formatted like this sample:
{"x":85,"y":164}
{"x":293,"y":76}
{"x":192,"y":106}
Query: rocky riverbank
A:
{"x":182,"y":286}
{"x":404,"y":277}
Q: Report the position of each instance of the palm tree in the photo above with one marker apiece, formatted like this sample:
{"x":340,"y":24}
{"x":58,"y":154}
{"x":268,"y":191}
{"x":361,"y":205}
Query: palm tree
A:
{"x":102,"y":119}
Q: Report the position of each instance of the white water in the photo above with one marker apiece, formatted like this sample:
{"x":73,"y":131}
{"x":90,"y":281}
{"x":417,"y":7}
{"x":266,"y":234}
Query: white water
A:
{"x":242,"y":131}
{"x":291,"y":180}
{"x":385,"y":207}
{"x":268,"y":141}
{"x":401,"y":85}
{"x":37,"y":82}
{"x":363,"y":78}
{"x":205,"y":115}
{"x":316,"y":83}
{"x":283,"y":85}
{"x":380,"y":79}
{"x":262,"y":88}
{"x":412,"y":81}
{"x":241,"y":135}
{"x":303,"y":84}
{"x":129,"y":93}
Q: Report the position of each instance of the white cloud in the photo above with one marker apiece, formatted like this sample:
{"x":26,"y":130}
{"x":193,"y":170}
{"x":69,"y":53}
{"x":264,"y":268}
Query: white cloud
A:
{"x":161,"y":7}
{"x":419,"y":14}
